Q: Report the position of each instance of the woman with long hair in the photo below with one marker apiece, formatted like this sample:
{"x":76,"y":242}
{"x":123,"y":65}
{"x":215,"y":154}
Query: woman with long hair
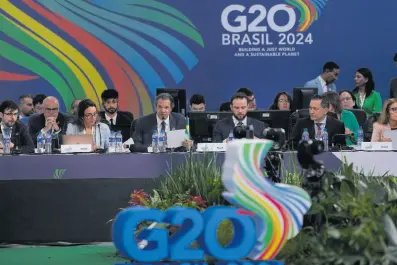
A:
{"x":386,"y":122}
{"x":367,"y":98}
{"x":87,"y":122}
{"x":282,"y":101}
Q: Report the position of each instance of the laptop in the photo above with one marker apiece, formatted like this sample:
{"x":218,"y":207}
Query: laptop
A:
{"x":77,"y":139}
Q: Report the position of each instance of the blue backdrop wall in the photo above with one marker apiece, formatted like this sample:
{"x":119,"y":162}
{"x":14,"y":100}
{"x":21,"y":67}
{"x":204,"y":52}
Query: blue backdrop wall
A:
{"x":75,"y":48}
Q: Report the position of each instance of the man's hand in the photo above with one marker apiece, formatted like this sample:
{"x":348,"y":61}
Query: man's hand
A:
{"x":384,"y":139}
{"x":50,"y":122}
{"x":12,"y":145}
{"x":347,"y":131}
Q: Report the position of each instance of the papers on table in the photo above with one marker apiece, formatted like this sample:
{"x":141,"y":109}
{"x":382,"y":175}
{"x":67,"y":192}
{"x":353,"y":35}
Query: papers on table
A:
{"x":175,"y":138}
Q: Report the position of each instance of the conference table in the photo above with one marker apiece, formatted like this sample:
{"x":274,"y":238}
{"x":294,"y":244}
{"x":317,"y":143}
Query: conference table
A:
{"x":72,"y":197}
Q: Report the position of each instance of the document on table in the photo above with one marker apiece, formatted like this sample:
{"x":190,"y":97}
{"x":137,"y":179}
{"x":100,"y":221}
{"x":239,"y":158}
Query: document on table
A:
{"x":175,"y":138}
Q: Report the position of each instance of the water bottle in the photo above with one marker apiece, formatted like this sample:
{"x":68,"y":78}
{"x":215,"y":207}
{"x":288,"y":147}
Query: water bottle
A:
{"x":6,"y":141}
{"x":112,"y":142}
{"x":155,"y":140}
{"x":231,"y":136}
{"x":160,"y":143}
{"x":163,"y":136}
{"x":48,"y":143}
{"x":305,"y":135}
{"x":325,"y":139}
{"x":360,"y":137}
{"x":119,"y":142}
{"x":40,"y":145}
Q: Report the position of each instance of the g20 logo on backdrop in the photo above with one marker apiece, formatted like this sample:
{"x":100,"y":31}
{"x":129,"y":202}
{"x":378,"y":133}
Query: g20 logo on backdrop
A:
{"x":278,"y":29}
{"x":264,"y":216}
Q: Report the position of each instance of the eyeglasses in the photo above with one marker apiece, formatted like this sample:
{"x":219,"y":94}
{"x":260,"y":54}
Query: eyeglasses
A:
{"x":393,"y":109}
{"x":283,"y":100}
{"x":90,"y":115}
{"x":11,"y":114}
{"x":51,"y":109}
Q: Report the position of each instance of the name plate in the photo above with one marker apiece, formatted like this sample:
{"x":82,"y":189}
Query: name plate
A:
{"x":376,"y":146}
{"x":211,"y":147}
{"x":76,"y":148}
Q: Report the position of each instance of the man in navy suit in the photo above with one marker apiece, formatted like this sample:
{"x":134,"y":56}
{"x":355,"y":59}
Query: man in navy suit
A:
{"x":239,"y":107}
{"x":20,"y":137}
{"x":325,"y":81}
{"x":162,"y":119}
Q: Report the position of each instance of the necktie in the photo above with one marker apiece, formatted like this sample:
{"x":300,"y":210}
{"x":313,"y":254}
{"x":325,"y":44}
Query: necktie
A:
{"x":240,"y":123}
{"x":163,"y":125}
{"x":111,"y":122}
{"x":318,"y":133}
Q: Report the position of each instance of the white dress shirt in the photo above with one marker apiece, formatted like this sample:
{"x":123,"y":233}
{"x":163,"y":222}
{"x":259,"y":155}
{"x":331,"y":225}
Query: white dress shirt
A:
{"x":167,"y":123}
{"x":235,"y":121}
{"x":323,"y":123}
{"x":108,"y":118}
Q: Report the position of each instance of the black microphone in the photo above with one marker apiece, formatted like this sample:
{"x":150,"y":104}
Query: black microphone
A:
{"x":17,"y":149}
{"x":344,"y":135}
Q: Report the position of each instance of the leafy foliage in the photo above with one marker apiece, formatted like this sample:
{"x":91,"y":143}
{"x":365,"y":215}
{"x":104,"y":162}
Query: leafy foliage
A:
{"x":350,"y":222}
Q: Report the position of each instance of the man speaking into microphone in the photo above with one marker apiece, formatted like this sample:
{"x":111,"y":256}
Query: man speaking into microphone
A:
{"x":162,"y":119}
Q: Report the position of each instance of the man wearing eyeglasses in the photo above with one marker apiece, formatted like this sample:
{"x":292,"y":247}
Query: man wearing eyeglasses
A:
{"x":51,"y":121}
{"x":20,"y":138}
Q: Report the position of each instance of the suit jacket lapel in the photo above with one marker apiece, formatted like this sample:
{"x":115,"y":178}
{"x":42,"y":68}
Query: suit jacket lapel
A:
{"x":172,"y":122}
{"x":311,"y":129}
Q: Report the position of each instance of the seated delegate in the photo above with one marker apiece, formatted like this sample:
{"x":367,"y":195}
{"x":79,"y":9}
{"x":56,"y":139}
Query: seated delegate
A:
{"x":345,"y":116}
{"x":87,"y":122}
{"x":387,"y":121}
{"x":239,"y":107}
{"x":317,"y":122}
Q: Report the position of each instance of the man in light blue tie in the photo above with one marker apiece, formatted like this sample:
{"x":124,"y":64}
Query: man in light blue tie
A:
{"x":325,"y":81}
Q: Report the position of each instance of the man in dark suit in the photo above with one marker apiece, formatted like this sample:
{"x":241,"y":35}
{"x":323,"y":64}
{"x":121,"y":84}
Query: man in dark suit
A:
{"x":317,"y":122}
{"x":20,"y":138}
{"x":50,"y":121}
{"x":117,"y":120}
{"x":162,"y":119}
{"x":239,"y":107}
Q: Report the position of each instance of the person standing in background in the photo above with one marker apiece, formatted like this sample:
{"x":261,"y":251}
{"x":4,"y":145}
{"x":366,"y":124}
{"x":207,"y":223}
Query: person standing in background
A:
{"x":367,"y":98}
{"x":326,"y":81}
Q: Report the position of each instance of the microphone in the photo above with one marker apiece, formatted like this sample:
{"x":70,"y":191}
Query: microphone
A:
{"x":17,"y":149}
{"x":344,"y":135}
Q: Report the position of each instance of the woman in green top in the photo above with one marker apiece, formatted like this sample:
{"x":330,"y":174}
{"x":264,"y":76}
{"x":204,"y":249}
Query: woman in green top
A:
{"x":367,"y":98}
{"x":346,"y":116}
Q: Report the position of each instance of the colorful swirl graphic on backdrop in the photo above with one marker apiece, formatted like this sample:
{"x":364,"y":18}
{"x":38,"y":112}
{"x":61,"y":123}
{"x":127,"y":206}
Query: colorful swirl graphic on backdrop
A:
{"x":310,"y":10}
{"x":82,"y":47}
{"x":277,"y":209}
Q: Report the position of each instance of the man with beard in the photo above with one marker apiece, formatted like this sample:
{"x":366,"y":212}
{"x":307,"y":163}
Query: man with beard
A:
{"x":117,"y":120}
{"x":25,"y":107}
{"x":239,"y":108}
{"x":326,"y":81}
{"x":50,"y":121}
{"x":20,"y":137}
